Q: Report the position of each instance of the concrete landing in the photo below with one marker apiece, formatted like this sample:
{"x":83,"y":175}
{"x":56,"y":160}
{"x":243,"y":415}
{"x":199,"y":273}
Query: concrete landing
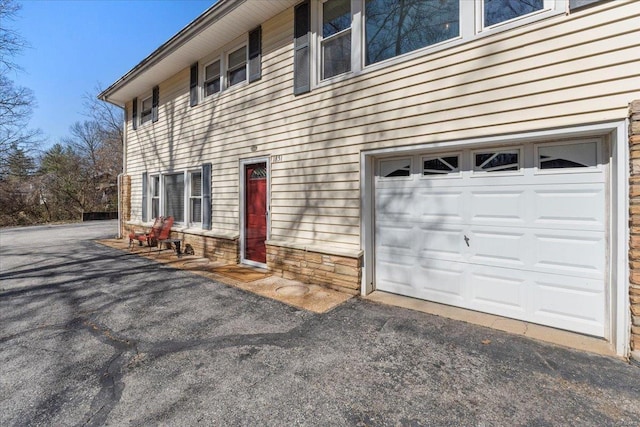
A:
{"x":314,"y":298}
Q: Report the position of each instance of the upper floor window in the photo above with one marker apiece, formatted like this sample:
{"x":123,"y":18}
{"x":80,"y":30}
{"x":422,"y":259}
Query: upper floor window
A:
{"x":212,"y":78}
{"x":237,"y":66}
{"x":145,"y":113}
{"x":333,"y":38}
{"x":393,"y":27}
{"x":238,"y":62}
{"x":498,"y":11}
{"x":335,"y":45}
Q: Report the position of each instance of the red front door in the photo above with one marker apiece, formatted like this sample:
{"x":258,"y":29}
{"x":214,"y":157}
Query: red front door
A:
{"x":255,"y":232}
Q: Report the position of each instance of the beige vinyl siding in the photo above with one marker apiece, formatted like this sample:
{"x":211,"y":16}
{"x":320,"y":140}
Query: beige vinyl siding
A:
{"x":558,"y":72}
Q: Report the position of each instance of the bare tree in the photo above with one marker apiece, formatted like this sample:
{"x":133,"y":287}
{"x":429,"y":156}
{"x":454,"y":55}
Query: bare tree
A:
{"x":16,"y":103}
{"x":107,"y":115}
{"x":11,"y":43}
{"x":20,"y":204}
{"x":86,"y":139}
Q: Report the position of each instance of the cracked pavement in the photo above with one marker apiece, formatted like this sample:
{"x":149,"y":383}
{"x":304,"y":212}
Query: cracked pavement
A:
{"x":94,"y":336}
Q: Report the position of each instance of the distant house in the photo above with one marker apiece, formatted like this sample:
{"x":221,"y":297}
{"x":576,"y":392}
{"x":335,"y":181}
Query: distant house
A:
{"x":469,"y":153}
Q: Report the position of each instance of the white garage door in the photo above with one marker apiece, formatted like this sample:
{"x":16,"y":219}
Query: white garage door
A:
{"x":514,"y":231}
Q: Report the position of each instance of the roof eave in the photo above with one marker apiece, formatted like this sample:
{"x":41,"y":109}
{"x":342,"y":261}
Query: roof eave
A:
{"x":214,"y":13}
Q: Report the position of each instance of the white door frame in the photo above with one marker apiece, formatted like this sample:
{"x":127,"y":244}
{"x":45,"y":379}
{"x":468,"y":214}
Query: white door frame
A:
{"x":617,"y":211}
{"x":243,"y":164}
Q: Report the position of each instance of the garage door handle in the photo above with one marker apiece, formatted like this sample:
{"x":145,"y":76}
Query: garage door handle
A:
{"x":466,"y":240}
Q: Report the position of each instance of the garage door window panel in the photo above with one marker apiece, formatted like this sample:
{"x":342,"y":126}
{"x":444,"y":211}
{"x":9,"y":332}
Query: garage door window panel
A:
{"x":446,"y":165}
{"x":497,"y":161}
{"x":567,"y":156}
{"x":395,"y":168}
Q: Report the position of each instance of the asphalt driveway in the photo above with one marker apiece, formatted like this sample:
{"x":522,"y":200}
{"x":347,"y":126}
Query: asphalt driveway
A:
{"x":90,"y":335}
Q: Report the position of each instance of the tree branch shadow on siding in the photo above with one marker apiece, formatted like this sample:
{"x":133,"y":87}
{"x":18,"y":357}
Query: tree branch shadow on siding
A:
{"x":351,"y":126}
{"x":180,"y":144}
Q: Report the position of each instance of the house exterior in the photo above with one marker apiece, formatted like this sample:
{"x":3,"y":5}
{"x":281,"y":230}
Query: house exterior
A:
{"x":471,"y":153}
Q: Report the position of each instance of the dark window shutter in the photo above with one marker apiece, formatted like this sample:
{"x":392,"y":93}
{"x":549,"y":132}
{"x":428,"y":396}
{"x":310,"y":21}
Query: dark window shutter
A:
{"x":206,"y":196}
{"x":193,"y":85}
{"x":255,"y":54}
{"x":134,"y":114}
{"x":144,"y":196}
{"x":301,"y":53}
{"x":155,"y":101}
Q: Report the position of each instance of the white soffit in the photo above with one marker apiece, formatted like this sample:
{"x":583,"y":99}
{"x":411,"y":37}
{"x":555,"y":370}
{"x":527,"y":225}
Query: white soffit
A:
{"x":219,"y":25}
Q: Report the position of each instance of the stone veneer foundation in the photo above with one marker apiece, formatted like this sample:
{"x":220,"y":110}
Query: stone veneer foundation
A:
{"x":336,"y":272}
{"x":634,"y":226}
{"x":214,"y":248}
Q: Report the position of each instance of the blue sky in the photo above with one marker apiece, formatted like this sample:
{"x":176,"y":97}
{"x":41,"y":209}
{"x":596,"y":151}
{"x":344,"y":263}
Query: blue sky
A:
{"x":74,"y":45}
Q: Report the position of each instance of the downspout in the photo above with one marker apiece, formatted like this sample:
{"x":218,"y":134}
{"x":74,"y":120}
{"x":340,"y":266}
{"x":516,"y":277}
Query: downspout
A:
{"x":119,"y":235}
{"x":124,"y":172}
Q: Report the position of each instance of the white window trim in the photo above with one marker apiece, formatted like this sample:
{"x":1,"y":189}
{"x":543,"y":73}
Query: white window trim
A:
{"x":150,"y":119}
{"x":470,"y":29}
{"x":227,"y":52}
{"x":186,"y":195}
{"x":204,"y":78}
{"x":223,"y":56}
{"x":150,"y":195}
{"x":548,"y":5}
{"x":321,"y":39}
{"x":188,"y":191}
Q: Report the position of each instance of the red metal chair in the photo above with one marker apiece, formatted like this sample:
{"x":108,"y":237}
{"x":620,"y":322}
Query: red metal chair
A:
{"x":147,"y":236}
{"x":163,"y":235}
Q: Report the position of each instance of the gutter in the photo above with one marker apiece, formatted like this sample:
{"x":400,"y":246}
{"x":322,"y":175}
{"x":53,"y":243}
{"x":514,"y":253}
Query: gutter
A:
{"x":214,"y":13}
